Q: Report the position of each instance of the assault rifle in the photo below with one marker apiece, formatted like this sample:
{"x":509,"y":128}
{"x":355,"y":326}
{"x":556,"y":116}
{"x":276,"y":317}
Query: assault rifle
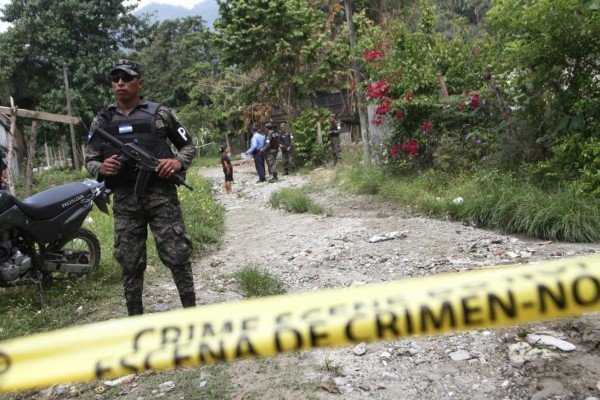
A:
{"x":145,"y":162}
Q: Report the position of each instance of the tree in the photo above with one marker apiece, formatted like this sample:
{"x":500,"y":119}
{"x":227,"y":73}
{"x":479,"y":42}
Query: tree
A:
{"x":86,"y":36}
{"x":285,"y":40}
{"x":548,"y":56}
{"x":178,"y":52}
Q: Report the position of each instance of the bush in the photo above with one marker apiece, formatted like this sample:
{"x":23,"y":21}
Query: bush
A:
{"x":307,"y":149}
{"x":294,"y":200}
{"x":258,"y":282}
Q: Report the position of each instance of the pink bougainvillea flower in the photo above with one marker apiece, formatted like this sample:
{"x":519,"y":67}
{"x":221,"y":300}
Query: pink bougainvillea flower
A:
{"x":377,"y":120}
{"x":377,"y":90}
{"x":400,"y":115}
{"x":426,"y":127}
{"x":408,"y":96}
{"x":410,"y":146}
{"x":394,"y":151}
{"x":382,"y":110}
{"x":370,"y":55}
{"x":474,"y":103}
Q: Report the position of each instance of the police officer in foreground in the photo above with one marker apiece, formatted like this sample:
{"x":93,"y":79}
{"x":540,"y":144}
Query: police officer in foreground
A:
{"x":130,"y":118}
{"x":272,"y":149}
{"x":286,"y":145}
{"x":335,"y":128}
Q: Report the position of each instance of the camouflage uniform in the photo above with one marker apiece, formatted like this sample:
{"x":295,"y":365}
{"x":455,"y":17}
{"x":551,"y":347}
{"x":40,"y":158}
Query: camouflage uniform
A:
{"x":272,"y":149}
{"x":158,"y":207}
{"x":286,"y":146}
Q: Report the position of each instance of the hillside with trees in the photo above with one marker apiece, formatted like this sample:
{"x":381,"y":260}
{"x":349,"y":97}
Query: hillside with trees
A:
{"x":505,"y":92}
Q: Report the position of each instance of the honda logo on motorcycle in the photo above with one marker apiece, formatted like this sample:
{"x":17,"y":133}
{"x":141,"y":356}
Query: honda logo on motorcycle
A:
{"x":69,"y":202}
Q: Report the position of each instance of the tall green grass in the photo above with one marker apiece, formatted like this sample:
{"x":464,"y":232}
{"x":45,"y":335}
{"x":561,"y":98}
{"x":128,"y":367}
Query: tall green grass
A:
{"x":256,"y":281}
{"x":505,"y":202}
{"x":294,"y":200}
{"x":360,"y":179}
{"x":492,"y":199}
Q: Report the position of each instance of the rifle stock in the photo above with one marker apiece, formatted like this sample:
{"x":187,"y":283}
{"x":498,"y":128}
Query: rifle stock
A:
{"x":145,"y":161}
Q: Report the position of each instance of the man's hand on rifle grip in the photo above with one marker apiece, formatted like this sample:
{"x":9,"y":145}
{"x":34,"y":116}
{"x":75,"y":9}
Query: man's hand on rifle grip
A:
{"x":110,"y":166}
{"x":167,"y":167}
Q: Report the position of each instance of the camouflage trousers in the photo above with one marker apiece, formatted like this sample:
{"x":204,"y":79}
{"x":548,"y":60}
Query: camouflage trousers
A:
{"x":159,"y":209}
{"x":336,"y":148}
{"x":288,"y":161}
{"x":272,"y":161}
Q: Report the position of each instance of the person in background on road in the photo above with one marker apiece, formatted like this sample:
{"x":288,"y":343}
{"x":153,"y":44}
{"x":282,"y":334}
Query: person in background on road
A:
{"x":272,"y":149}
{"x":286,"y":145}
{"x":256,"y":144}
{"x":227,"y":168}
{"x":131,"y":118}
{"x":335,"y":128}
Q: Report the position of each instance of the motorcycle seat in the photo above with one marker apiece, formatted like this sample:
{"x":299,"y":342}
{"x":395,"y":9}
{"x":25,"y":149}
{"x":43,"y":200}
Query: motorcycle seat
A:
{"x":52,"y":202}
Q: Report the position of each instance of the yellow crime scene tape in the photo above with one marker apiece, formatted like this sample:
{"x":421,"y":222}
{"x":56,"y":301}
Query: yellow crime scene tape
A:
{"x":489,"y":297}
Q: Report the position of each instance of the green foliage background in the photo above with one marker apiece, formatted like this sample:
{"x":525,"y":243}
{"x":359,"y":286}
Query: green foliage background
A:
{"x":521,"y":77}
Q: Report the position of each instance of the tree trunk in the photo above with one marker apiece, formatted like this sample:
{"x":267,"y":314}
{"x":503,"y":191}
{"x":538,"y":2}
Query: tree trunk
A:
{"x":360,"y":98}
{"x":319,"y":133}
{"x":31,"y":157}
{"x":47,"y":154}
{"x":443,"y":87}
{"x":10,"y":145}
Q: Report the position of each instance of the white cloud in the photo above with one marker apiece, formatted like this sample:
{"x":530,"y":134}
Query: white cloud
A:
{"x":189,"y":4}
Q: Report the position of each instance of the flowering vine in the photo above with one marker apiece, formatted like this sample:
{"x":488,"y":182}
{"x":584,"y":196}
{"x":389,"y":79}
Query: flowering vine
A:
{"x":410,"y":146}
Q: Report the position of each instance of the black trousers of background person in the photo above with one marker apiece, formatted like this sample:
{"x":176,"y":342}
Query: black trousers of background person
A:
{"x":259,"y":164}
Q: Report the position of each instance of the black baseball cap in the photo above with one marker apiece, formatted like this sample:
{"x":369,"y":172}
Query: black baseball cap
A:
{"x":130,"y":67}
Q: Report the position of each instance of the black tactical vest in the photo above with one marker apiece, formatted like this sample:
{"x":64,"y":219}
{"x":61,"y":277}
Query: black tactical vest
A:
{"x":274,"y":141}
{"x":138,"y":127}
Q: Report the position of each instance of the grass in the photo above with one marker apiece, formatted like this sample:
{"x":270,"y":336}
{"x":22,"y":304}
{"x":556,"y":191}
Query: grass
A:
{"x":492,"y":199}
{"x":207,"y":162}
{"x":258,"y":282}
{"x":294,"y":200}
{"x":101,"y":295}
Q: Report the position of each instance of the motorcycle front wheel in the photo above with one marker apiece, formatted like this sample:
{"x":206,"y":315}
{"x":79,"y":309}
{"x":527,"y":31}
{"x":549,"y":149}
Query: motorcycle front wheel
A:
{"x":76,"y":255}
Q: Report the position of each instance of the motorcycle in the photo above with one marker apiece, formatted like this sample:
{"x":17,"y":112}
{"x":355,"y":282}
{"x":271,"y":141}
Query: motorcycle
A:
{"x":41,"y":237}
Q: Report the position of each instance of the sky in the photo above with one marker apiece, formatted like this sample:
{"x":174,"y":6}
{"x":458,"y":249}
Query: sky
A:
{"x":184,"y":3}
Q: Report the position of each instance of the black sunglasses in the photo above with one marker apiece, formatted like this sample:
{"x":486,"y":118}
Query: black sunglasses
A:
{"x":124,"y":77}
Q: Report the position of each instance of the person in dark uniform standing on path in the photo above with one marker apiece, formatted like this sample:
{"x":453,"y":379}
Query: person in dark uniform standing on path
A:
{"x":286,"y":145}
{"x":335,"y":128}
{"x":156,"y":205}
{"x":256,"y":145}
{"x":272,"y":149}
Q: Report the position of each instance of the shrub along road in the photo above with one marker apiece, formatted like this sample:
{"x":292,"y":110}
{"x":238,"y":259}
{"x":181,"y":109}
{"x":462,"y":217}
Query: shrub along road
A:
{"x":360,"y":240}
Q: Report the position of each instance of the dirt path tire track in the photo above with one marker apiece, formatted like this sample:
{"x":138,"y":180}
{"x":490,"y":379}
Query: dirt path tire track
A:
{"x":310,"y":252}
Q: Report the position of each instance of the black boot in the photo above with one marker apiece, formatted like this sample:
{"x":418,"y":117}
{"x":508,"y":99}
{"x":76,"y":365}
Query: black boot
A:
{"x":274,"y":178}
{"x":135,"y":307}
{"x":188,"y":299}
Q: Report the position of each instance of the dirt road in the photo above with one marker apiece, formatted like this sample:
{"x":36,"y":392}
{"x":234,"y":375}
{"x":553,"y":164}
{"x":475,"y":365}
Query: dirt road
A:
{"x":333,"y":250}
